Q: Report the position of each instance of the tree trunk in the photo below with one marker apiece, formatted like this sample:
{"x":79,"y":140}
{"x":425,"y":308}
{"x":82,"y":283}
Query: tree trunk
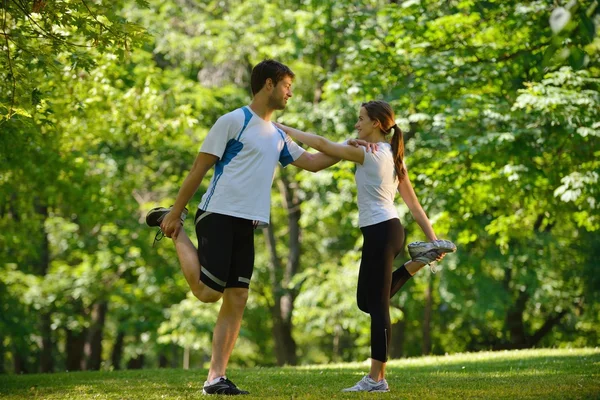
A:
{"x":117,"y":351}
{"x":285,"y":346}
{"x":19,"y":361}
{"x":163,"y":360}
{"x":515,"y":329}
{"x":397,"y":342}
{"x":46,"y":361}
{"x":186,"y":357}
{"x":284,"y":296}
{"x":136,"y":363}
{"x":2,"y":355}
{"x":93,"y":347}
{"x":281,"y":309}
{"x":174,"y":355}
{"x":74,"y":347}
{"x":338,"y":332}
{"x":514,"y":322}
{"x":43,"y":264}
{"x":426,"y":345}
{"x":75,"y":341}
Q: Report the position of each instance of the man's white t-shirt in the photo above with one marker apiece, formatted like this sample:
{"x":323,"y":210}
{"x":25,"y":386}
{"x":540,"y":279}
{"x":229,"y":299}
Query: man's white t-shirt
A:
{"x":248,"y":148}
{"x":376,"y":182}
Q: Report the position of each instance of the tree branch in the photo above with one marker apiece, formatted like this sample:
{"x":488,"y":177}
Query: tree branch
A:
{"x":96,"y":19}
{"x":546,"y":328}
{"x":12,"y":74}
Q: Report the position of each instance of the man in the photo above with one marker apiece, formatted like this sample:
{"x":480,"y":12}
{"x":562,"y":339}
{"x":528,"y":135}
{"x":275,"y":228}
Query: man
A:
{"x":244,"y":147}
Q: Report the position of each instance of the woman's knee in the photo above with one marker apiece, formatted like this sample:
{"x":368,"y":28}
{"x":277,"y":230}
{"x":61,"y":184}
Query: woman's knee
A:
{"x":363,"y":305}
{"x":380,"y":318}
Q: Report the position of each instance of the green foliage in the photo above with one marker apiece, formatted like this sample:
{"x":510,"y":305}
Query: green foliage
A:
{"x":41,"y":38}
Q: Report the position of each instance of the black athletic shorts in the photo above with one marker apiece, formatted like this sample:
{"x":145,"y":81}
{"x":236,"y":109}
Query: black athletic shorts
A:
{"x":225,"y":250}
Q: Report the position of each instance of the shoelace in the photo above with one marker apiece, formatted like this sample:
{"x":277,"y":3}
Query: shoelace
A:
{"x":433,"y":264}
{"x":158,"y":237}
{"x":433,"y":267}
{"x":160,"y":234}
{"x":231,"y":385}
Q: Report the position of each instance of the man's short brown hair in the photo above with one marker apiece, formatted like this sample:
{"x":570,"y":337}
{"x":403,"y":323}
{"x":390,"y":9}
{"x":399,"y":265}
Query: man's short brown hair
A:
{"x":266,"y":69}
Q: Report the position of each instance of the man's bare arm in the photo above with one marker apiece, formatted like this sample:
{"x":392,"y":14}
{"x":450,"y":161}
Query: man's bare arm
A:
{"x":171,"y":223}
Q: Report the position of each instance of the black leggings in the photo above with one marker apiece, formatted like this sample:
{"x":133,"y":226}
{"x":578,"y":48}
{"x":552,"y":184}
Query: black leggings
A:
{"x":382,"y":243}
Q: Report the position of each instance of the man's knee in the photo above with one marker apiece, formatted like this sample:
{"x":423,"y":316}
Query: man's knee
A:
{"x":207,"y":295}
{"x":237,"y":297}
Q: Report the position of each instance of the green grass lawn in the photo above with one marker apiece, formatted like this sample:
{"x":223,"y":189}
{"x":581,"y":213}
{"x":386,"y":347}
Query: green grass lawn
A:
{"x":540,"y":374}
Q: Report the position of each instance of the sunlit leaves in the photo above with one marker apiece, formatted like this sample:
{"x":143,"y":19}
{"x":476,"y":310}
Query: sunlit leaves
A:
{"x":34,"y":37}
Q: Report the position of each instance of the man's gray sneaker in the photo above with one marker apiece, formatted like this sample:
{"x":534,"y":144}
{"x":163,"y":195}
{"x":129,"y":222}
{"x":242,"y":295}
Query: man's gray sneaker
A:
{"x":367,"y":384}
{"x":157,"y":214}
{"x":223,"y":386}
{"x":155,"y":217}
{"x":443,"y":246}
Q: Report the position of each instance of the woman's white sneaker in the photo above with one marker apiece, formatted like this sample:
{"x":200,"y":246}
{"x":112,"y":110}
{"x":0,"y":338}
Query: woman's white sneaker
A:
{"x":366,"y":384}
{"x":415,"y":249}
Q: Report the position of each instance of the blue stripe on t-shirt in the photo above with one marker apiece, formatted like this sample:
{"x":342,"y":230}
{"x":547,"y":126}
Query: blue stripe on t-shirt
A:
{"x":232,"y":149}
{"x":247,"y":118}
{"x":285,"y":158}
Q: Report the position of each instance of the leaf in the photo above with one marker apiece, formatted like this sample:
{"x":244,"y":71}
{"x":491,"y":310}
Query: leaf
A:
{"x":587,"y":28}
{"x":549,"y":54}
{"x":586,"y":131}
{"x":143,"y":3}
{"x":36,"y":96}
{"x":21,"y":111}
{"x":577,"y":58}
{"x":559,"y":18}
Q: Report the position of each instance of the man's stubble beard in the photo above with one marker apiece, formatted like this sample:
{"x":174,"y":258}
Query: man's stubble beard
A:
{"x":276,"y":105}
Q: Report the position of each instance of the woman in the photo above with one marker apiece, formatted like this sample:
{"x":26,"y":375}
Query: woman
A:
{"x":378,"y":175}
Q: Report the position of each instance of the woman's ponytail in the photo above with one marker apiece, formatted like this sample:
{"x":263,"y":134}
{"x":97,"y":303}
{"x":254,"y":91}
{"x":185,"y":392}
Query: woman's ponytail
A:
{"x":397,"y":143}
